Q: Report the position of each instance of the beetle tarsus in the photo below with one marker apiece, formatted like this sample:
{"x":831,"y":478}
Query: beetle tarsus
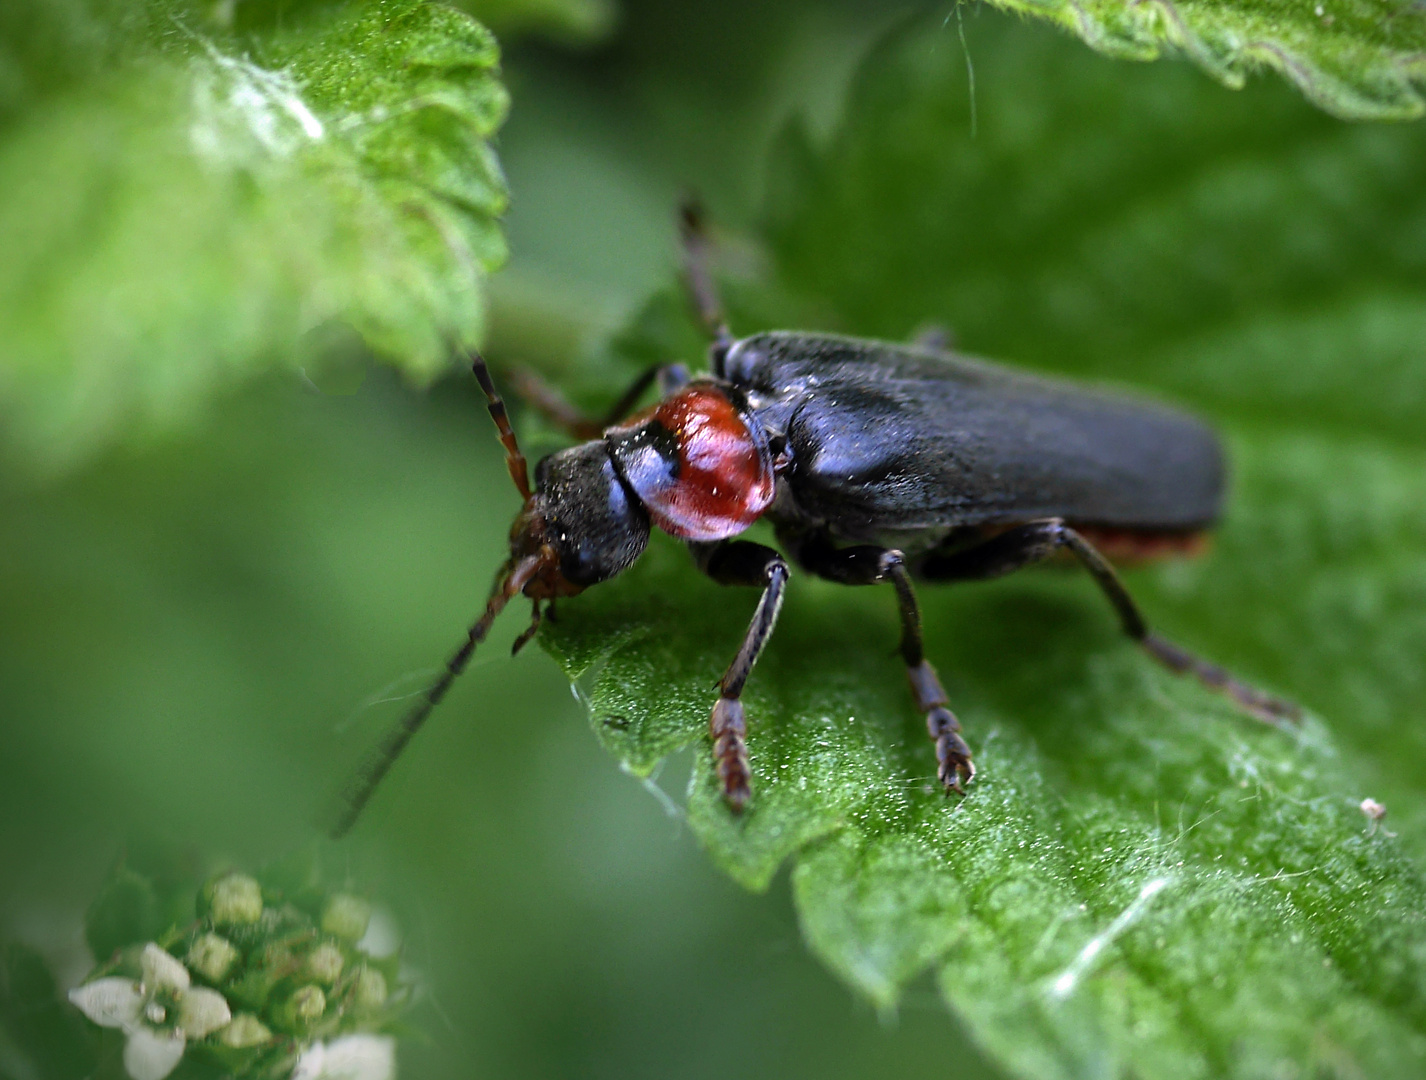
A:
{"x":953,"y":760}
{"x":953,"y":757}
{"x":730,"y":752}
{"x":1264,"y":706}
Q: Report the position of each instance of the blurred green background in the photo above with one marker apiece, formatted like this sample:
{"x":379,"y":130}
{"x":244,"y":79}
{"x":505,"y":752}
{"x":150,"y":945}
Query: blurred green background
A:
{"x":189,"y":629}
{"x":195,"y":629}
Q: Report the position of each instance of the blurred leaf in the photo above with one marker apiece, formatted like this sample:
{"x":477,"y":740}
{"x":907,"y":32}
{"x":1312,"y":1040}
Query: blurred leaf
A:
{"x":1358,"y":59}
{"x":37,"y":1022}
{"x":178,"y":219}
{"x":1141,"y":881}
{"x":573,"y":22}
{"x":126,"y":912}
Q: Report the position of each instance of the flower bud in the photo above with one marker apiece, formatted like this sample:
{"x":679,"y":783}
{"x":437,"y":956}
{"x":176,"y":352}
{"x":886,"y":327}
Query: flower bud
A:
{"x":212,"y":957}
{"x":369,"y":993}
{"x":243,"y":1031}
{"x":303,"y":1009}
{"x":325,"y":963}
{"x":346,"y":916}
{"x":233,"y":900}
{"x":278,"y":958}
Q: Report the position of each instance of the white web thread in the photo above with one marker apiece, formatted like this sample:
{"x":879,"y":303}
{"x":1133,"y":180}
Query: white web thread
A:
{"x":1065,"y":983}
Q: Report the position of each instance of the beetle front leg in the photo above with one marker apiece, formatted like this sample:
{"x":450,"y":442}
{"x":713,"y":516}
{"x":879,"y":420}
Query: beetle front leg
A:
{"x":550,"y":403}
{"x":740,"y":562}
{"x":870,"y":565}
{"x":1038,"y":540}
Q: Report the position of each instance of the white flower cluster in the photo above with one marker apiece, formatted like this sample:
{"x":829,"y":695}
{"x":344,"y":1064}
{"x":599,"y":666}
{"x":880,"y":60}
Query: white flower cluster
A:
{"x":160,"y":1012}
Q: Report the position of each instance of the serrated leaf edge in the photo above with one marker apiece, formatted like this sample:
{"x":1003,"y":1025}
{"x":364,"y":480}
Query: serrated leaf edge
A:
{"x":1386,"y":89}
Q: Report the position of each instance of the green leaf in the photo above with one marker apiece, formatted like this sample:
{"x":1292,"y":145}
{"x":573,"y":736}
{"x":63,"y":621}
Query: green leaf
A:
{"x":126,"y":912}
{"x":1358,"y":59}
{"x":1141,"y":881}
{"x":198,"y":208}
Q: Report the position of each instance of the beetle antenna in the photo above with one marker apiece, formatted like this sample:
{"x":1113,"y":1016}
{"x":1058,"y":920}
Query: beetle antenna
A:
{"x":378,"y":762}
{"x":514,"y":459}
{"x":698,"y":275}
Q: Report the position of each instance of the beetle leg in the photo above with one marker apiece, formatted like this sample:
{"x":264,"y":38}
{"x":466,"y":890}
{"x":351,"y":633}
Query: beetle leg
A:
{"x":740,"y":562}
{"x":699,"y":279}
{"x":531,"y":630}
{"x":871,"y":565}
{"x":551,"y":404}
{"x":1037,"y":541}
{"x":933,"y":337}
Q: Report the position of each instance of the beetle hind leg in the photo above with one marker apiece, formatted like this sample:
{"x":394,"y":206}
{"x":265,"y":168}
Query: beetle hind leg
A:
{"x":1038,"y":540}
{"x":953,"y":759}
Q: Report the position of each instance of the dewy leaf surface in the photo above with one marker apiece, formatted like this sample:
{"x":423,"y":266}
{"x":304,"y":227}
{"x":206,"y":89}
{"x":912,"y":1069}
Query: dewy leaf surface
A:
{"x":1141,"y":881}
{"x":1358,"y":59}
{"x":201,"y":202}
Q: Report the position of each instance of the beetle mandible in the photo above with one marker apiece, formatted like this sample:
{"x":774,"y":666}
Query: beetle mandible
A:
{"x":876,"y":463}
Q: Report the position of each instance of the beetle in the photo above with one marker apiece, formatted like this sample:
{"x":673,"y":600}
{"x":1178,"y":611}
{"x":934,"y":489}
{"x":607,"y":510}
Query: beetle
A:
{"x":876,"y":463}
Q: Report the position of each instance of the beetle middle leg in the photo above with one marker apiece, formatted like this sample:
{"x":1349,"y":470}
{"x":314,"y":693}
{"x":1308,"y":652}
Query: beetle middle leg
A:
{"x":871,"y":565}
{"x":740,"y":562}
{"x":1037,"y":541}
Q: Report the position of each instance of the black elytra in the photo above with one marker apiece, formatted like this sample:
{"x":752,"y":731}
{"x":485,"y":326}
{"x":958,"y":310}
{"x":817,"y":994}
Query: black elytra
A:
{"x":875,"y":463}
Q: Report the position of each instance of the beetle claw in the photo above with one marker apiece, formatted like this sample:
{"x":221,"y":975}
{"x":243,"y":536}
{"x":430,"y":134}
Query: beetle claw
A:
{"x":953,"y":757}
{"x":957,"y":771}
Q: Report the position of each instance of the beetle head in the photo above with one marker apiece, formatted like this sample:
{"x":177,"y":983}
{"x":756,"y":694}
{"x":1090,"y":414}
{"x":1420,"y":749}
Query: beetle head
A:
{"x":581,"y":519}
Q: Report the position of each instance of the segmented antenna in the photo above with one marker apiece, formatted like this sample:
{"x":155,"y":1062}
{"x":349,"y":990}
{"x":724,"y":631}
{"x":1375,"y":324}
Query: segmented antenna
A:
{"x":699,"y":277}
{"x":379,"y":761}
{"x":514,"y":459}
{"x":509,"y":583}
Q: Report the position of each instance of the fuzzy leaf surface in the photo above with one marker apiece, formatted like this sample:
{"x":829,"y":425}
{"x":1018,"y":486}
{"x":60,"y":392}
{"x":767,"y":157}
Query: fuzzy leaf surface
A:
{"x":189,"y":203}
{"x":1141,"y":881}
